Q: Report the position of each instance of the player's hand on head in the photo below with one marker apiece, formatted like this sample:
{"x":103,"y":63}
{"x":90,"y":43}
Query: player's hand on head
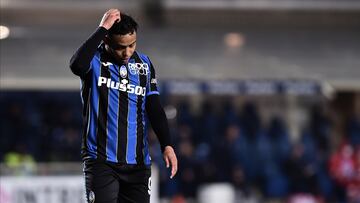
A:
{"x":170,"y":160}
{"x":110,"y":17}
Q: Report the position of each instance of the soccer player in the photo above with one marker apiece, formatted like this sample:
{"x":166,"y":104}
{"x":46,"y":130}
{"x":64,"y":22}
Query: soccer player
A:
{"x":119,"y":91}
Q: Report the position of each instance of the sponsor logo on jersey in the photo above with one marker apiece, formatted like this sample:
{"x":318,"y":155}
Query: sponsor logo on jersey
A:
{"x":123,"y":72}
{"x":106,"y":64}
{"x":138,"y":68}
{"x":124,"y":81}
{"x":123,"y":86}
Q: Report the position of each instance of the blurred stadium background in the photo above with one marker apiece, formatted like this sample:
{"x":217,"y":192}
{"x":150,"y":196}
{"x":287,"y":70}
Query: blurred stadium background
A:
{"x":262,"y":96}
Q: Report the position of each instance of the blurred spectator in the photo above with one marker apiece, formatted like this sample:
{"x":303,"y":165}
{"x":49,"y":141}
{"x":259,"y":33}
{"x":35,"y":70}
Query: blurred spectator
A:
{"x":304,"y":198}
{"x":342,"y":166}
{"x":222,"y":144}
{"x":228,"y":115}
{"x":301,"y":172}
{"x":279,"y":137}
{"x":65,"y":144}
{"x":184,"y":115}
{"x":353,"y":189}
{"x":209,"y":125}
{"x":178,"y":199}
{"x":244,"y":194}
{"x":229,"y":151}
{"x":35,"y":119}
{"x":16,"y":128}
{"x":20,"y":161}
{"x":353,"y":130}
{"x":273,"y":149}
{"x":320,"y":127}
{"x":187,"y":169}
{"x":250,"y":121}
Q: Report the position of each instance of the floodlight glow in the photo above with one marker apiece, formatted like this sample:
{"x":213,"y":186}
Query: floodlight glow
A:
{"x":234,"y":40}
{"x":4,"y":32}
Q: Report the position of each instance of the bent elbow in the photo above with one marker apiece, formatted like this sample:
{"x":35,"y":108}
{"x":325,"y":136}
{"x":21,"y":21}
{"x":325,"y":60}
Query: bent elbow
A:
{"x":76,"y":67}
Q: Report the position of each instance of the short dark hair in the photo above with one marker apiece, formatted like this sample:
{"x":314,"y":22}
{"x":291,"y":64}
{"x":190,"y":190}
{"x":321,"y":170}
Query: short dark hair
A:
{"x":126,"y":25}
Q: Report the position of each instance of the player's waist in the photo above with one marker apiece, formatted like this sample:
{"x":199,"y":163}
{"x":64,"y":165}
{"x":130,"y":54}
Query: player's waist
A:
{"x":118,"y":165}
{"x":120,"y":162}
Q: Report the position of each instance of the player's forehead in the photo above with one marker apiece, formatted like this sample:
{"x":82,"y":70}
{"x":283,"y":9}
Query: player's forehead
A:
{"x":124,"y":40}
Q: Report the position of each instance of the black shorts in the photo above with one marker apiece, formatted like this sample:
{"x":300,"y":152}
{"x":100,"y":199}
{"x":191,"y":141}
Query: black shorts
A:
{"x":110,"y":183}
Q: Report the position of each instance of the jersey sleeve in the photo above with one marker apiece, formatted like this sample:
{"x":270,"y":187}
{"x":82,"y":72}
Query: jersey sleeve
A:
{"x":80,"y":62}
{"x":152,"y":82}
{"x":157,"y":118}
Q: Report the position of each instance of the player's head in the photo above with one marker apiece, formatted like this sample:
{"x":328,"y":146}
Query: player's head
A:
{"x":121,"y":40}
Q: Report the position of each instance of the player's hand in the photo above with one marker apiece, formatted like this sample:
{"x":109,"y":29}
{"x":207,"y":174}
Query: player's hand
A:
{"x":170,"y":160}
{"x":110,"y":17}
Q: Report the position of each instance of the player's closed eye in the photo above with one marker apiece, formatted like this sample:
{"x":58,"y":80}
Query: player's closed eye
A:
{"x":120,"y":47}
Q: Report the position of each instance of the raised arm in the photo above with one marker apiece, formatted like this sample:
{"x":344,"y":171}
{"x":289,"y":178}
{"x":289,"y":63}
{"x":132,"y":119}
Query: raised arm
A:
{"x":80,"y":61}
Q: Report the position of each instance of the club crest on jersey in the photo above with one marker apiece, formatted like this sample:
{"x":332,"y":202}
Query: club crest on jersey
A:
{"x":138,"y":68}
{"x":123,"y":72}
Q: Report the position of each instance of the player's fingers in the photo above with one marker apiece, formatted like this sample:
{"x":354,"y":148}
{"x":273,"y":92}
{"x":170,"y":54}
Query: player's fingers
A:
{"x":113,"y":10}
{"x":113,"y":16}
{"x":116,"y":14}
{"x":166,"y":158}
{"x":174,"y":166}
{"x":109,"y":18}
{"x":109,"y":12}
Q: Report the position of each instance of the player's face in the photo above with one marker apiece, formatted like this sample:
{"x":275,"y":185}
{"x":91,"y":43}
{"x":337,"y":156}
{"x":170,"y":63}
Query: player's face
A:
{"x":122,"y":47}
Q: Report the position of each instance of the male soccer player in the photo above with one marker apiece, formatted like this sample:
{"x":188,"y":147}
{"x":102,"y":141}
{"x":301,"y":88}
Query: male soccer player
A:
{"x":118,"y":91}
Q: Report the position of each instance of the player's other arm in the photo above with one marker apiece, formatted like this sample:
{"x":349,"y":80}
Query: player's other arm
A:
{"x":80,"y":61}
{"x":159,"y":123}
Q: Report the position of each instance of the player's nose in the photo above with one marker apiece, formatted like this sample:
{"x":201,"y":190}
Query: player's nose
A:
{"x":128,"y":52}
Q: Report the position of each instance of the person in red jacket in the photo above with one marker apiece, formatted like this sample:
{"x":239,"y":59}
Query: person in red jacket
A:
{"x":342,"y":168}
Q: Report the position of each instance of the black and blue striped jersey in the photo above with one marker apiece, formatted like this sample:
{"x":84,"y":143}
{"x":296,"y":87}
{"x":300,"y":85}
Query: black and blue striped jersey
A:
{"x":114,"y":97}
{"x":114,"y":101}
